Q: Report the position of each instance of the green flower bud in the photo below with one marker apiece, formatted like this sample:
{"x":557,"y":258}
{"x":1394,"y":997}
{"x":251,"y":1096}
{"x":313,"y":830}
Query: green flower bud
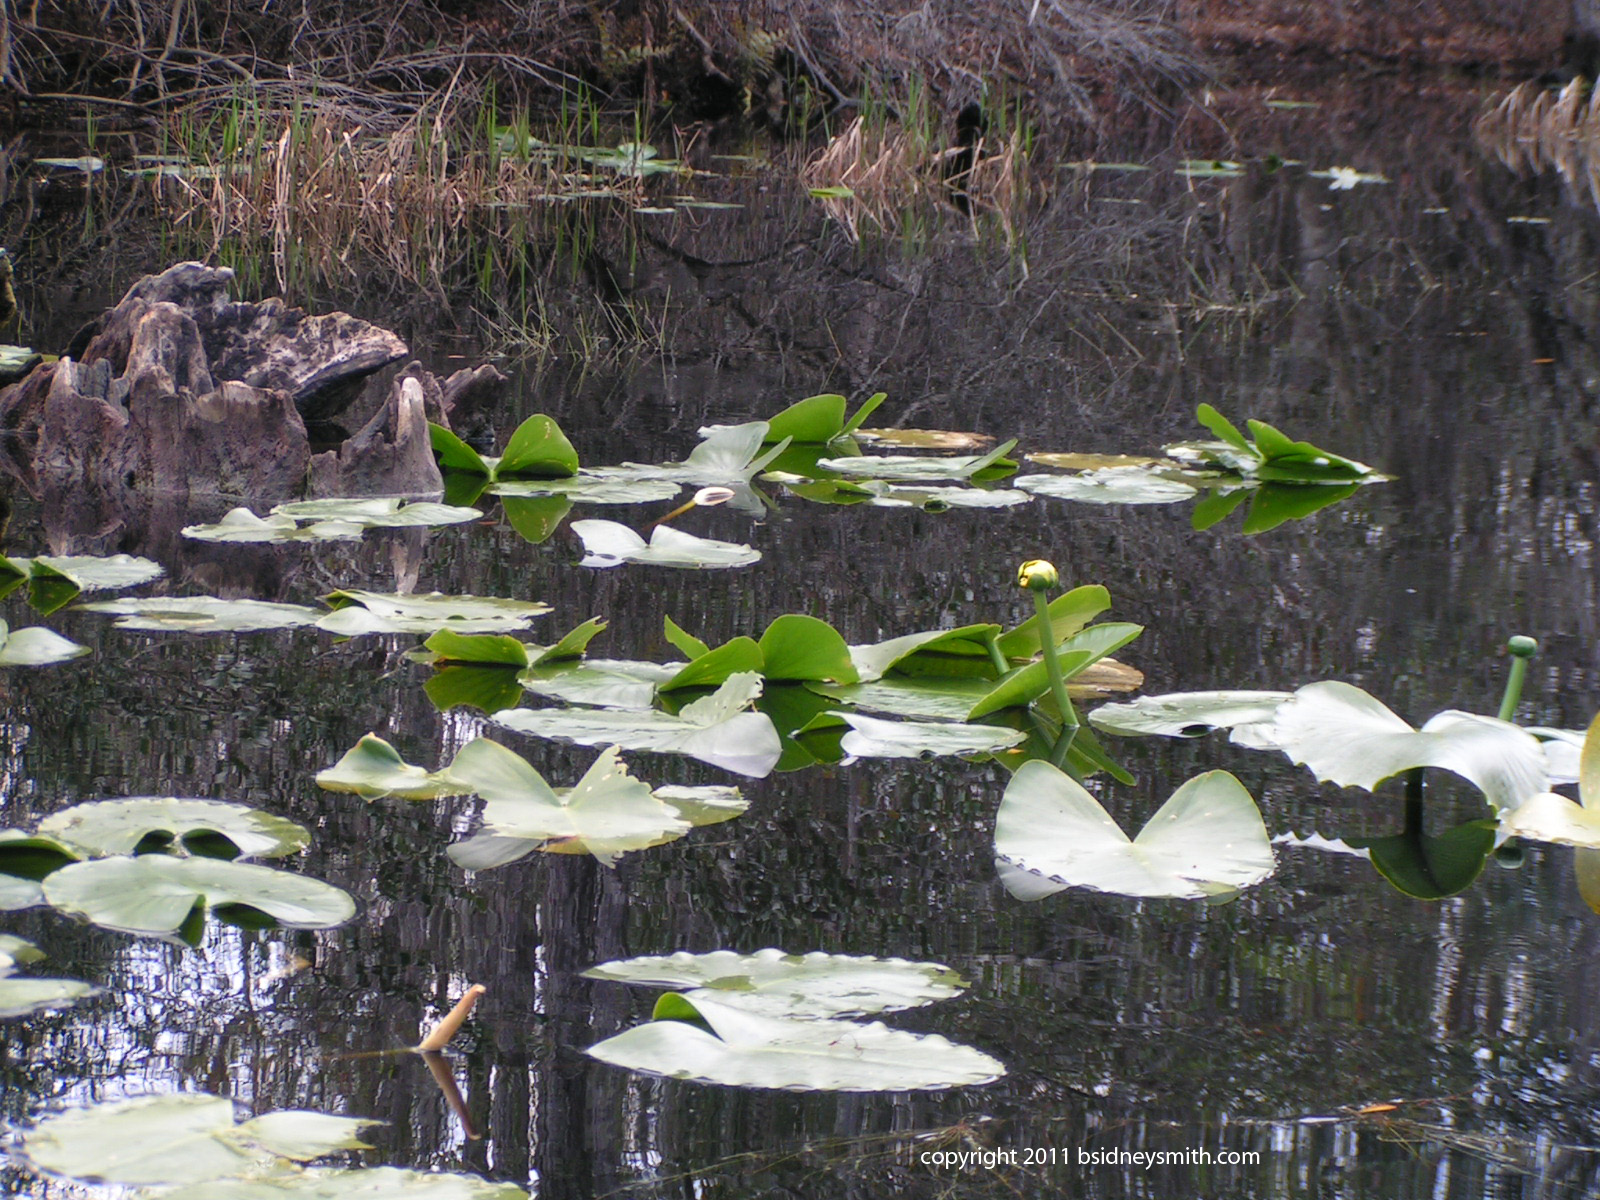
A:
{"x":1038,"y":575}
{"x":1523,"y":647}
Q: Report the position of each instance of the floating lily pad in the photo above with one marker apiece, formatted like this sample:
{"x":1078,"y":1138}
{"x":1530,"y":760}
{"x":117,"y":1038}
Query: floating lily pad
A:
{"x":104,"y":827}
{"x":372,"y":769}
{"x":202,"y":614}
{"x":607,"y":813}
{"x":601,"y":682}
{"x":932,"y":698}
{"x":369,"y":1183}
{"x":993,"y":465}
{"x":25,"y":859}
{"x":794,"y":985}
{"x":36,"y":646}
{"x":715,"y":729}
{"x":733,"y":454}
{"x":1111,"y":485}
{"x":1247,"y":715}
{"x":820,"y":419}
{"x":945,"y":440}
{"x":1548,"y":817}
{"x":331,"y":519}
{"x":737,"y":1048}
{"x":592,"y":489}
{"x":1067,"y":461}
{"x":1208,"y":840}
{"x":608,"y":544}
{"x":871,"y":737}
{"x":54,"y":580}
{"x":359,"y":612}
{"x":23,"y":996}
{"x":1350,"y":738}
{"x":180,"y":1139}
{"x":242,"y":525}
{"x":154,"y":894}
{"x":1076,"y":654}
{"x":537,"y":449}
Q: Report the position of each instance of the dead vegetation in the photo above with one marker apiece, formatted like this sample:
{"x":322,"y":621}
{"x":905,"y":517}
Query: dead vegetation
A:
{"x":1538,"y":128}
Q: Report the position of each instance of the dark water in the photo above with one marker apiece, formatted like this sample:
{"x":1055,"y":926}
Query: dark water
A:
{"x":1452,"y":349}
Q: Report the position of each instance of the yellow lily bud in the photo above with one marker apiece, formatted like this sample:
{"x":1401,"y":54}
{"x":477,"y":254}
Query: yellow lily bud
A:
{"x":1038,"y":575}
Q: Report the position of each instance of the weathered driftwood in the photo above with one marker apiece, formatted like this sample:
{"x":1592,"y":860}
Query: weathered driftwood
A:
{"x":180,"y":390}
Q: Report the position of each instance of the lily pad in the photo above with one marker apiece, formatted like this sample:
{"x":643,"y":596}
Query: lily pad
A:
{"x":732,"y":454}
{"x":23,"y":996}
{"x":592,"y":489}
{"x":926,"y":439}
{"x":1247,"y":715}
{"x":1548,"y":817}
{"x":179,"y":1139}
{"x":736,"y":1048}
{"x":368,"y":1183}
{"x":55,"y":580}
{"x":608,"y":544}
{"x":537,"y":449}
{"x":359,"y":612}
{"x":1350,"y":738}
{"x":601,"y":682}
{"x":993,"y":465}
{"x":715,"y":729}
{"x":379,"y":512}
{"x":154,"y":894}
{"x":242,"y":525}
{"x":104,"y":827}
{"x":607,"y":813}
{"x":372,"y":769}
{"x":1207,"y":840}
{"x":1076,"y":654}
{"x":871,"y":737}
{"x":36,"y":646}
{"x":794,"y":985}
{"x":26,"y":859}
{"x":202,"y":614}
{"x":1111,"y":485}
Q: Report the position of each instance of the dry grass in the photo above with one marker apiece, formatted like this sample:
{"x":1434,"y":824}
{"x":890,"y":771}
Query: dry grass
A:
{"x":875,"y":174}
{"x":1535,"y":129}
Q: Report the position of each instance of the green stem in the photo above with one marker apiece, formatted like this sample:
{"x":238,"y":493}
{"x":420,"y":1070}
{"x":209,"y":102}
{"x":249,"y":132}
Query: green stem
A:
{"x":1522,"y":651}
{"x":1052,"y":664}
{"x":1001,"y":666}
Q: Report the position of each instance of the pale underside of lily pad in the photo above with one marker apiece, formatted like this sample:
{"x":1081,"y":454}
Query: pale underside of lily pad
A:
{"x":609,"y":544}
{"x":1247,"y":715}
{"x":1207,"y":840}
{"x":203,"y":614}
{"x":800,"y":985}
{"x":359,"y":612}
{"x":872,"y":737}
{"x":372,"y":769}
{"x":1110,"y":485}
{"x":36,"y":646}
{"x":750,"y":1049}
{"x":104,"y":827}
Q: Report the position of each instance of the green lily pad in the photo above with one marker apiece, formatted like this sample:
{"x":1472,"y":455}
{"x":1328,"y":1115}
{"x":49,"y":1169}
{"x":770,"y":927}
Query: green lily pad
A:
{"x":367,"y":1183}
{"x":25,"y":859}
{"x":537,"y":449}
{"x":154,"y":894}
{"x":36,"y":646}
{"x":608,"y":544}
{"x":962,"y":652}
{"x":359,"y":612}
{"x":733,"y":454}
{"x":817,"y":420}
{"x":600,"y":682}
{"x":1431,"y":867}
{"x":714,"y":729}
{"x":372,"y":769}
{"x":794,"y":985}
{"x":1111,"y":485}
{"x":104,"y":827}
{"x":1247,"y":715}
{"x":202,"y":614}
{"x":993,"y":465}
{"x":795,"y":648}
{"x":1076,"y":654}
{"x":737,"y":1048}
{"x":931,"y":698}
{"x":1208,"y":840}
{"x":179,"y":1139}
{"x":607,"y":813}
{"x":1350,"y":738}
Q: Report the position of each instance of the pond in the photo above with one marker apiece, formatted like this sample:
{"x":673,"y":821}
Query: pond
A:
{"x":1320,"y":1034}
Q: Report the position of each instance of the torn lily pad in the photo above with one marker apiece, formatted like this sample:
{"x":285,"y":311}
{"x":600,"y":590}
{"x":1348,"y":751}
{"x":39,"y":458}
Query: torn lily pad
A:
{"x":607,"y":813}
{"x":710,"y":1041}
{"x":608,"y":544}
{"x":793,"y":985}
{"x":717,"y":729}
{"x":138,"y":824}
{"x":1207,"y":840}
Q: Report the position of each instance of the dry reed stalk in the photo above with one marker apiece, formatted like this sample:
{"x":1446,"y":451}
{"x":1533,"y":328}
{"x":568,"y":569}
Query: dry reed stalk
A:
{"x":1534,"y":129}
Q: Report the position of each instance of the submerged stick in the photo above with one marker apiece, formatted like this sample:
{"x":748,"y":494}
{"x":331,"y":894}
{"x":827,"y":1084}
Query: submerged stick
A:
{"x":439,"y":1036}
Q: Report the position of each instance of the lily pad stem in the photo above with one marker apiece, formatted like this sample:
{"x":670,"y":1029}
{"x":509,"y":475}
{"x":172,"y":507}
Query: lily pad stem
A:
{"x":1522,"y":650}
{"x":1058,"y":682}
{"x":439,"y":1036}
{"x":1001,"y":666}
